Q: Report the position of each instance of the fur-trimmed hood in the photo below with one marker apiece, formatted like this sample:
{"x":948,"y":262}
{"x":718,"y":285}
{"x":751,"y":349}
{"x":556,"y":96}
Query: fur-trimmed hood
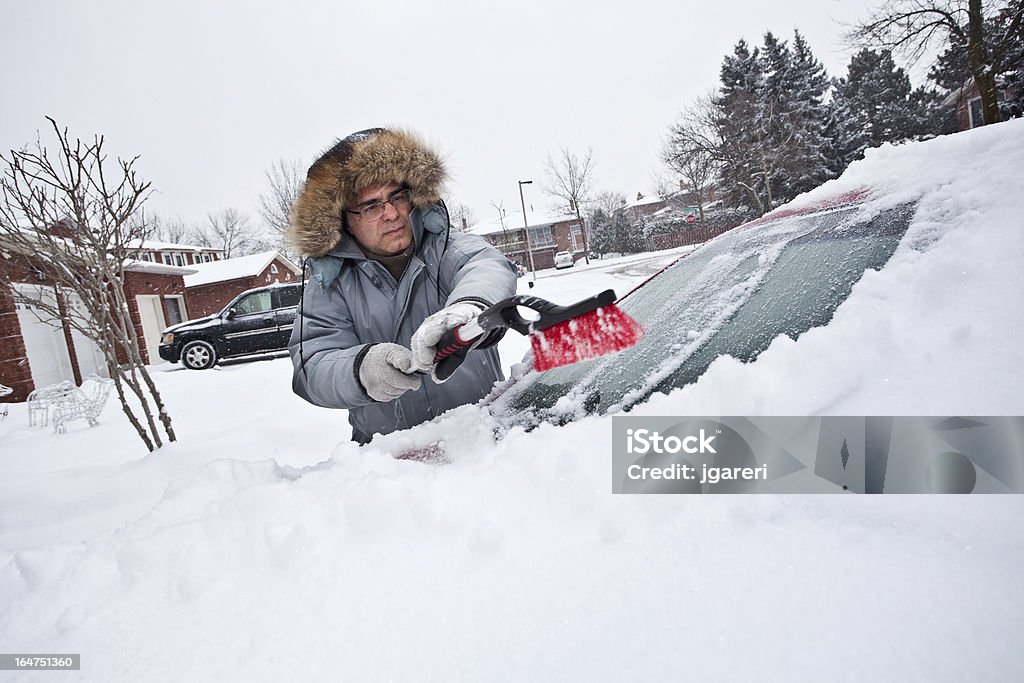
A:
{"x":364,"y":159}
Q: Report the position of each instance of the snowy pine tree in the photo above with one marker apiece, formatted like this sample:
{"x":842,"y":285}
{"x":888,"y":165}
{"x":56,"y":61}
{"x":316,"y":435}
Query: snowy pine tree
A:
{"x":810,"y":117}
{"x":772,"y":123}
{"x":602,"y":232}
{"x":874,"y":104}
{"x":740,"y":127}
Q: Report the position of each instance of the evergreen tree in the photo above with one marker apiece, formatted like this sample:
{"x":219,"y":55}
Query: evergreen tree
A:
{"x":602,"y":232}
{"x":1012,"y":105}
{"x":737,"y":114}
{"x":811,"y":117}
{"x":622,"y":231}
{"x":636,"y":236}
{"x":772,"y":123}
{"x":875,"y":104}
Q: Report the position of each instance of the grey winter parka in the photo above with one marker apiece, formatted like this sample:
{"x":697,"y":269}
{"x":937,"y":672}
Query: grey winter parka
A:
{"x":351,"y":302}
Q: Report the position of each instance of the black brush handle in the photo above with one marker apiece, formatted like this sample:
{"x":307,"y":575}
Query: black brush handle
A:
{"x":451,"y":351}
{"x":506,"y":314}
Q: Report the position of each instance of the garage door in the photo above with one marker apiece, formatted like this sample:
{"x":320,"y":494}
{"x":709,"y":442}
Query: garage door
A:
{"x":152,"y":315}
{"x":45,"y":343}
{"x":44,"y":340}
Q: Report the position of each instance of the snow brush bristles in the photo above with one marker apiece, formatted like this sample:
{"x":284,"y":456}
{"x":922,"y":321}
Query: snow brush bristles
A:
{"x":559,"y":335}
{"x":591,"y":335}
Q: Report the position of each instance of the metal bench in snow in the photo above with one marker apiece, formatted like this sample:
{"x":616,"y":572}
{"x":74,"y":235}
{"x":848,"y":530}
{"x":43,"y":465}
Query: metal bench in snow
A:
{"x":42,"y":399}
{"x":4,"y":391}
{"x":87,"y":403}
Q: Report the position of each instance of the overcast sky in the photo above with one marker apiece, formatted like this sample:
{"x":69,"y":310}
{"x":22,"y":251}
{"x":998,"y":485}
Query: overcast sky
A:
{"x":211,"y":93}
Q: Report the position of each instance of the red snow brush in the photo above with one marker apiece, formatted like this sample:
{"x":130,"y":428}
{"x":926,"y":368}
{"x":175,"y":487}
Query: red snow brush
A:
{"x":559,"y":335}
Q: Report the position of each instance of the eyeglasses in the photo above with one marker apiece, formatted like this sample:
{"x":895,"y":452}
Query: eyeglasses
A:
{"x":401,"y":200}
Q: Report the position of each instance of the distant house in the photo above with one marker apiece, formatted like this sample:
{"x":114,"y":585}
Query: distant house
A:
{"x":643,"y":205}
{"x":549,"y":233}
{"x":965,"y":103}
{"x":39,"y":351}
{"x":173,"y":254}
{"x":214,"y":284}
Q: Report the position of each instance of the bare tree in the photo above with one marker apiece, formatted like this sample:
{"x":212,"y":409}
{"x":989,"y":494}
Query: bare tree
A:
{"x":72,"y":218}
{"x":506,"y":241}
{"x":732,"y":141}
{"x":231,"y":231}
{"x":609,"y":202}
{"x":910,"y":27}
{"x":691,"y":151}
{"x":462,"y":217}
{"x":498,"y":206}
{"x":570,"y":178}
{"x":173,"y":230}
{"x":664,"y":184}
{"x":285,"y":180}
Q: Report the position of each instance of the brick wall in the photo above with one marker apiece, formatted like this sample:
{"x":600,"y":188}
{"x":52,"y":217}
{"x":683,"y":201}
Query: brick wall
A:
{"x":563,"y":238}
{"x":209,"y":299}
{"x":212,"y":298}
{"x":14,"y":369}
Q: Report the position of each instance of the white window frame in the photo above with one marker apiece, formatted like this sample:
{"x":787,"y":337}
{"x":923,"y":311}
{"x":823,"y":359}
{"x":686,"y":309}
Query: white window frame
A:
{"x":181,"y":305}
{"x":970,"y":111}
{"x":541,"y":236}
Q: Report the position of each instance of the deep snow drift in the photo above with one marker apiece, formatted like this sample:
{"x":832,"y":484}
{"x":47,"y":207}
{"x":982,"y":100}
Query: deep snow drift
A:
{"x":264,"y":546}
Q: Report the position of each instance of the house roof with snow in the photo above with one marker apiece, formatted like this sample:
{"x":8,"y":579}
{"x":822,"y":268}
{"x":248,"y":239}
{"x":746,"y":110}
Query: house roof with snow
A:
{"x":156,"y":245}
{"x":642,"y":200}
{"x":236,"y":268}
{"x":159,"y":268}
{"x":514,"y":221}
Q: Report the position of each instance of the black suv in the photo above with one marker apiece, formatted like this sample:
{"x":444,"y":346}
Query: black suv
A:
{"x":257,"y":321}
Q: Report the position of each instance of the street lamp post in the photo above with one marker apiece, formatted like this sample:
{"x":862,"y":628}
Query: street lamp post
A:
{"x":526,"y":227}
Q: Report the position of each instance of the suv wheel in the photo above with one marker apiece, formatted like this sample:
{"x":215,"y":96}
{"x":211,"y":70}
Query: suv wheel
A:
{"x":198,"y":355}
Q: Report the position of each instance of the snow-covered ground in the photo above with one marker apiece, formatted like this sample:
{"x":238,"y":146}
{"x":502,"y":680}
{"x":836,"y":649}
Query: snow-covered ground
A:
{"x":264,"y":546}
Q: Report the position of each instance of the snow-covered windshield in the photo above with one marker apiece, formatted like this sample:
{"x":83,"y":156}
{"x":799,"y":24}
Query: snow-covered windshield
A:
{"x":733,"y":296}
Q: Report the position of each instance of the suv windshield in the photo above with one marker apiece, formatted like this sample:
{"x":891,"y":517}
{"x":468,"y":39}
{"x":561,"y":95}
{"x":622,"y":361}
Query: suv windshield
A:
{"x":733,"y":296}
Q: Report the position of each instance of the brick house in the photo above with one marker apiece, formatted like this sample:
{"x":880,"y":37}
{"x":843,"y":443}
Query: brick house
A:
{"x":643,"y":205}
{"x":38,"y":352}
{"x":173,"y":254}
{"x":550,"y":233}
{"x":965,"y":103}
{"x":214,"y":284}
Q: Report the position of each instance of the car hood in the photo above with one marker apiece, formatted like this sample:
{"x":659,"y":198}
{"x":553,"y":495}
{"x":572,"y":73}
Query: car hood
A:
{"x":196,"y":324}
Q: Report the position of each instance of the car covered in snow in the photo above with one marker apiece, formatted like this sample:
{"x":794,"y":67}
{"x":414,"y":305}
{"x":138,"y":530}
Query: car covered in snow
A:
{"x":563,"y":259}
{"x":256,"y":321}
{"x":782,"y":274}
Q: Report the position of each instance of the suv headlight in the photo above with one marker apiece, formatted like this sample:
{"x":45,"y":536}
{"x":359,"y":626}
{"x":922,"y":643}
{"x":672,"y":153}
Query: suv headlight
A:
{"x":167,"y":338}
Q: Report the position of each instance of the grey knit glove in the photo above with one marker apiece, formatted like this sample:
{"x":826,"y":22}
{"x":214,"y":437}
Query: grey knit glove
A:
{"x":424,"y":340}
{"x":382,"y":372}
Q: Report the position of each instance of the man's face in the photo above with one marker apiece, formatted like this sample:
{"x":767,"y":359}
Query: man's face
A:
{"x":390,"y":233}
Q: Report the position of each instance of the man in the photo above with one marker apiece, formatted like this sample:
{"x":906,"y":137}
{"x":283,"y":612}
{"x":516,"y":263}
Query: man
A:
{"x":388,"y":278}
